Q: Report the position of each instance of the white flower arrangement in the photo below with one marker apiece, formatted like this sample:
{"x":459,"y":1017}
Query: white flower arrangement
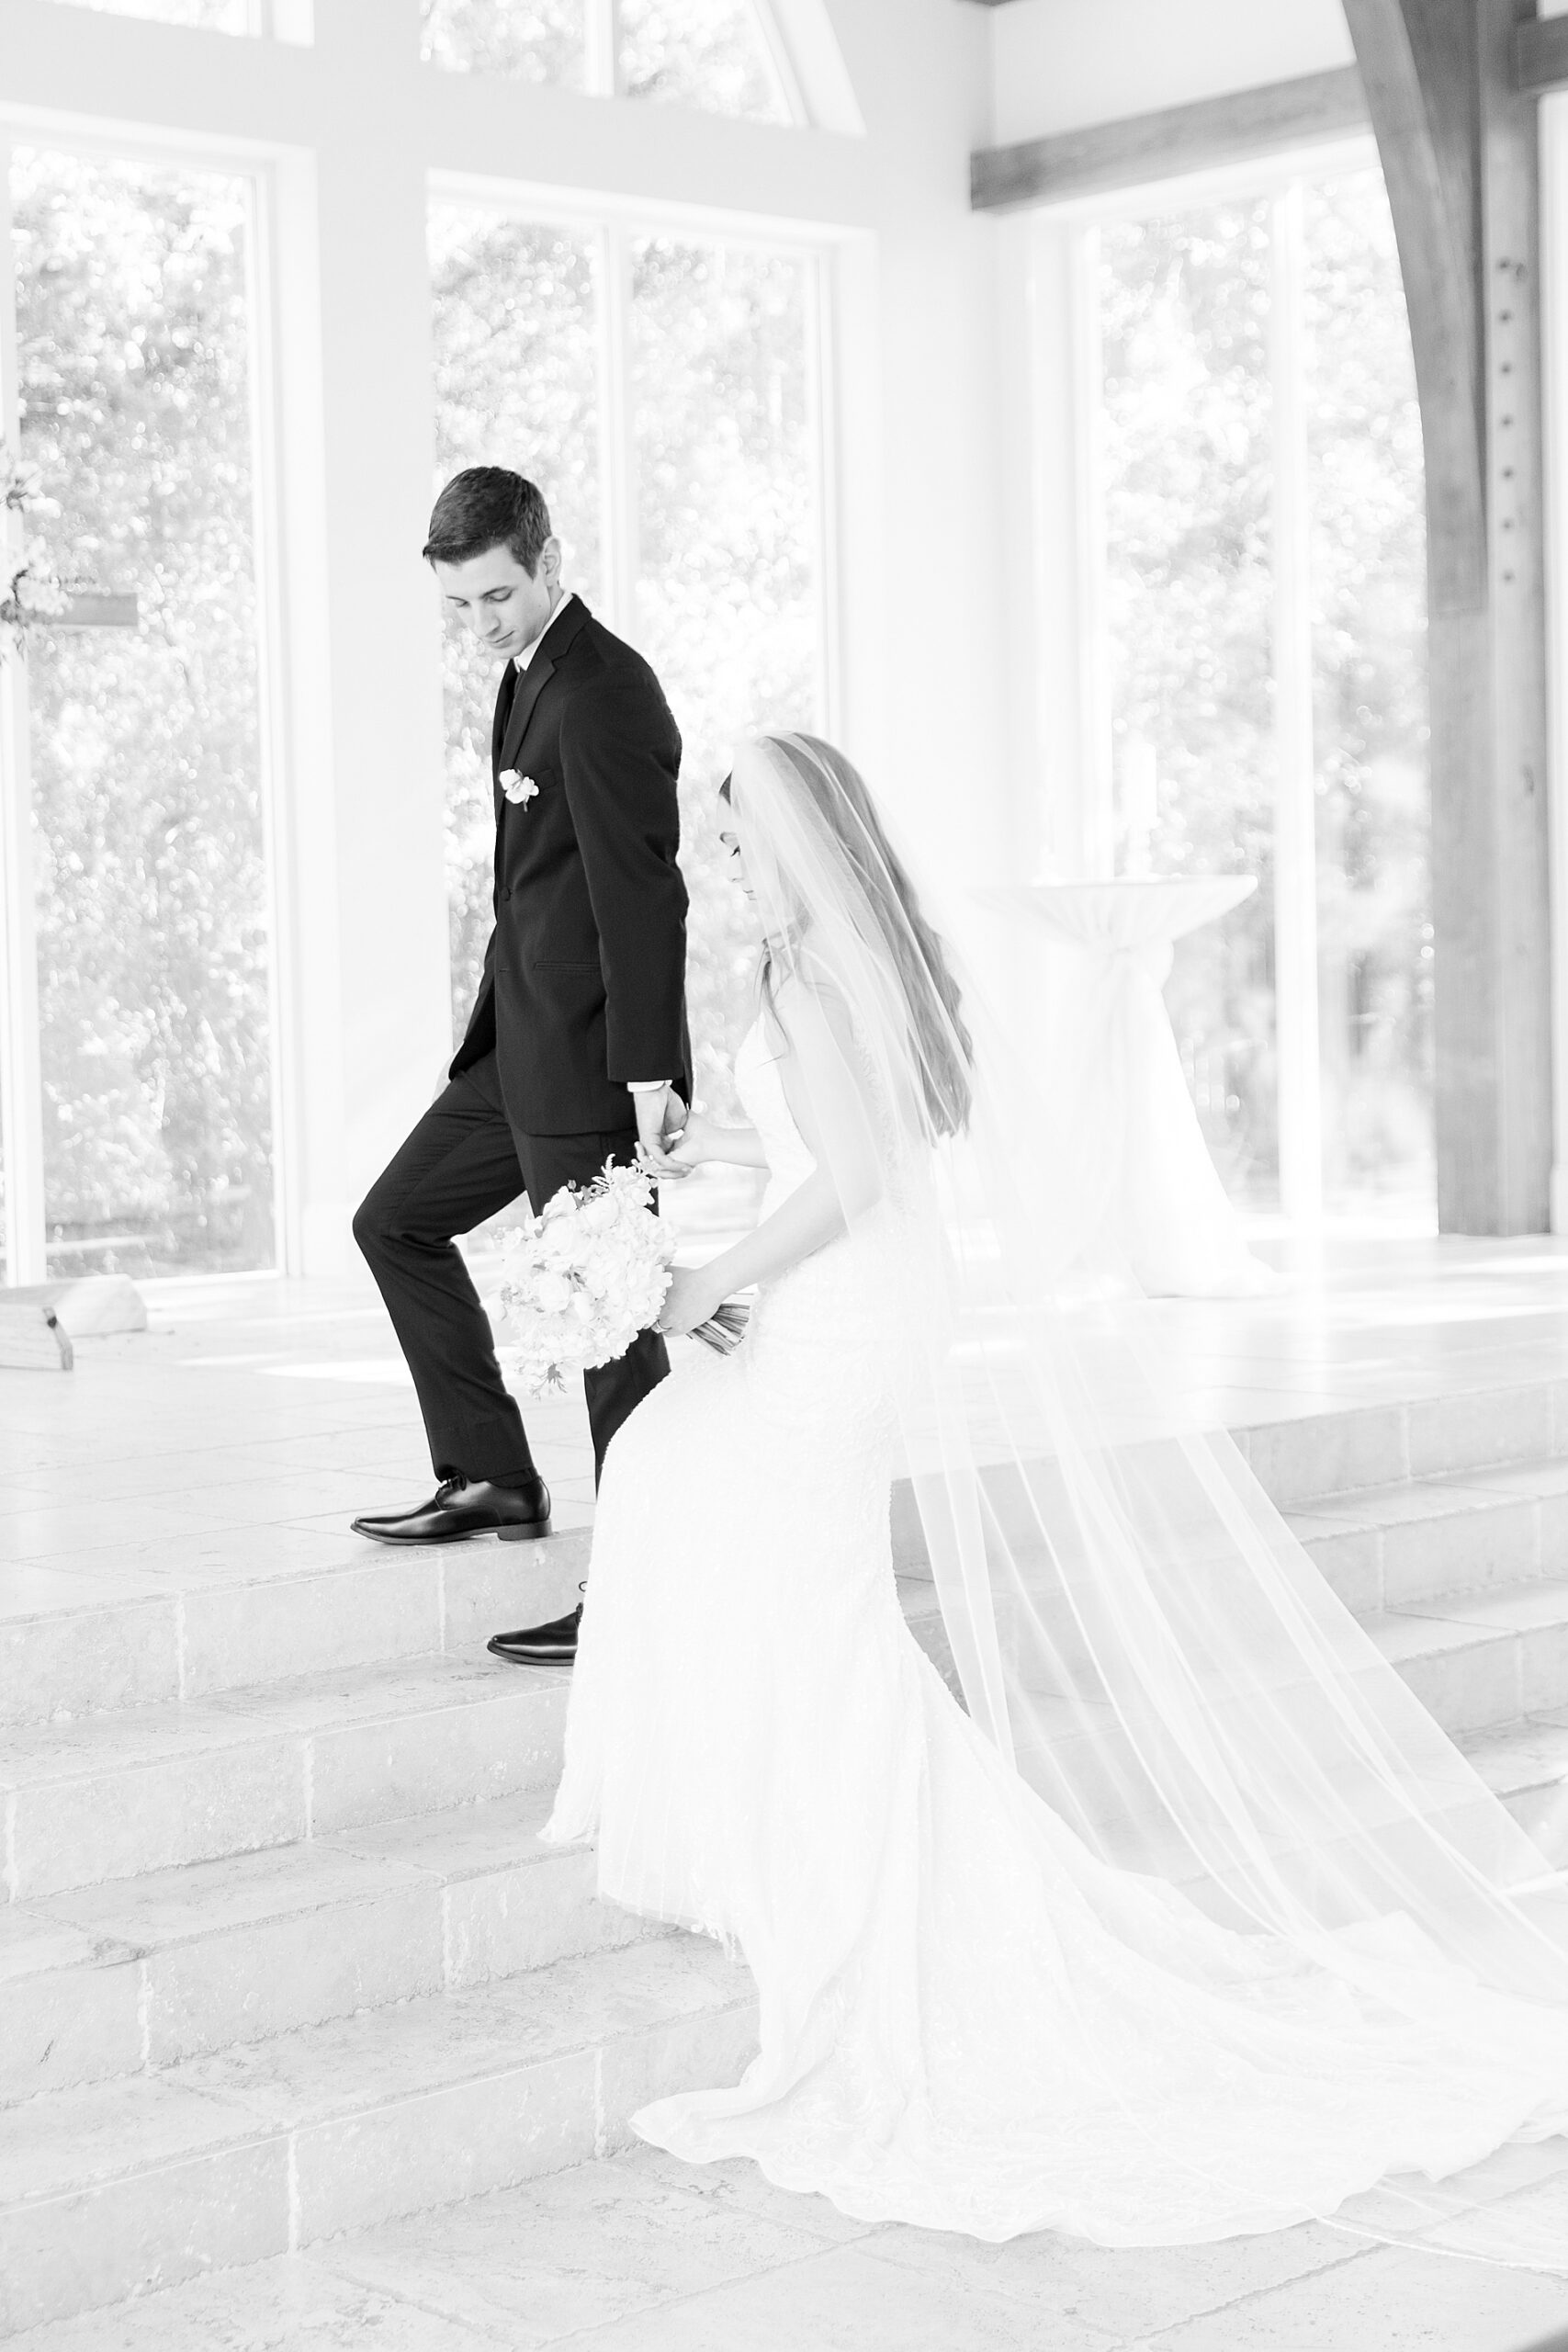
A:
{"x":30,"y":588}
{"x":519,"y":789}
{"x":582,"y":1278}
{"x":585,"y":1277}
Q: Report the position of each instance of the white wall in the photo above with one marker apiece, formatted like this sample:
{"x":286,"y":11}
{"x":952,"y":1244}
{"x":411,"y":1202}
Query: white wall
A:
{"x":1059,"y":64}
{"x":923,"y":597}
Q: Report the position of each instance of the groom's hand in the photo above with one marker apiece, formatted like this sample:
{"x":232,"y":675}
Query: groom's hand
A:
{"x":660,"y":1116}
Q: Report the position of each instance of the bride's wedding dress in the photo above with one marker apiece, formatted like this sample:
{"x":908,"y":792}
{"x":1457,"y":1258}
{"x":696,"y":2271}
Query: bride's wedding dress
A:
{"x":968,"y":2020}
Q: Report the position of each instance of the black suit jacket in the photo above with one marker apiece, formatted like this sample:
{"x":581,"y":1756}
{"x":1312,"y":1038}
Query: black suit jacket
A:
{"x":584,"y":976}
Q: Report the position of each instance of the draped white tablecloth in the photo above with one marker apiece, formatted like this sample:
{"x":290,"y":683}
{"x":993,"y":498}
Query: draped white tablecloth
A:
{"x":1113,"y":1075}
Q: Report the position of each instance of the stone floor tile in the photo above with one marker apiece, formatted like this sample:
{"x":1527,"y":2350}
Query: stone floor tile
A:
{"x":1546,"y":1476}
{"x":199,"y":1562}
{"x":1514,"y":1609}
{"x":45,"y":1592}
{"x":290,"y":2303}
{"x":594,"y":2245}
{"x":492,"y":1833}
{"x":160,"y":1474}
{"x":1384,"y":2301}
{"x":25,"y":1490}
{"x":733,"y":2185}
{"x":845,"y":2300}
{"x":228,"y":1895}
{"x":1124,"y":2293}
{"x":384,"y":1690}
{"x":66,"y":1528}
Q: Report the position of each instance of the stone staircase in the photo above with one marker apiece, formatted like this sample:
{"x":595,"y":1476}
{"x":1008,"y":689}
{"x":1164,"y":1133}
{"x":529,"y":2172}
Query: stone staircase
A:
{"x":283,"y":1956}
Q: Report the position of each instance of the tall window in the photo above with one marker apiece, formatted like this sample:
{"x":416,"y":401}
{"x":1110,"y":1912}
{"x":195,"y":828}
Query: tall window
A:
{"x":714,"y":54}
{"x":1262,"y":512}
{"x":662,"y":393}
{"x":148,"y":841}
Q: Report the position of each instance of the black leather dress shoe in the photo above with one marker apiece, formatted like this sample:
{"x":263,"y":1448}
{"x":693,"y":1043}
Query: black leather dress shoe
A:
{"x":552,"y":1645}
{"x":462,"y":1506}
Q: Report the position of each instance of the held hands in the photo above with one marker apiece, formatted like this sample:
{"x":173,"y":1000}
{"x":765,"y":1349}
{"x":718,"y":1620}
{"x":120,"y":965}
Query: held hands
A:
{"x":699,"y":1140}
{"x":660,"y":1117}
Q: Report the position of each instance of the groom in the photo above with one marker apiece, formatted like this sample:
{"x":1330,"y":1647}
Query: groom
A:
{"x":575,"y":1049}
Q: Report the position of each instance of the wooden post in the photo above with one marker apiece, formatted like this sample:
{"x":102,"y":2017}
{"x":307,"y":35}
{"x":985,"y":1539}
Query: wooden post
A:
{"x":1459,"y":149}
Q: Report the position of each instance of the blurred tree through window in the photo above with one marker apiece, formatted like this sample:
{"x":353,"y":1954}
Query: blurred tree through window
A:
{"x":712,"y":498}
{"x":1187,"y":458}
{"x":154,"y":948}
{"x":713,"y":54}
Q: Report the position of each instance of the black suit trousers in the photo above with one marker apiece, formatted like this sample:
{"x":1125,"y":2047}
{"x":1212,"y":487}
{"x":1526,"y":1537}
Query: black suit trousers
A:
{"x":464,"y":1162}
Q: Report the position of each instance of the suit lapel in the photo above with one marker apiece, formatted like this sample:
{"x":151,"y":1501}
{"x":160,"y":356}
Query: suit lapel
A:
{"x":506,"y":694}
{"x":530,"y":686}
{"x":568,"y":619}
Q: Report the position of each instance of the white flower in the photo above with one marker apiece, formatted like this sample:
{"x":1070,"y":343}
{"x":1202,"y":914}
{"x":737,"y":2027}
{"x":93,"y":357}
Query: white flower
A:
{"x":582,"y":1279}
{"x":518,"y":788}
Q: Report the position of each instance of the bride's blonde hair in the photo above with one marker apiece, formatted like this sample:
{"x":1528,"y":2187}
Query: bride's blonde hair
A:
{"x":842,"y":802}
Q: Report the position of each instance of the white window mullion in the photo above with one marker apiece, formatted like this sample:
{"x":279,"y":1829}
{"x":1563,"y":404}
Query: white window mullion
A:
{"x":822,"y":458}
{"x":276,"y":797}
{"x":1295,"y":847}
{"x":1094,"y":850}
{"x":21,"y":1077}
{"x":618,"y":455}
{"x":601,"y":48}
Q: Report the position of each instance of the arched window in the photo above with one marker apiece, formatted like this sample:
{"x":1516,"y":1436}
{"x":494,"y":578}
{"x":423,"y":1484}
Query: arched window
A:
{"x":716,"y":54}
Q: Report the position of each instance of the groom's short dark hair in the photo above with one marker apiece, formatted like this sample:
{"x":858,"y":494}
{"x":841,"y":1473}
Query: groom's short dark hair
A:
{"x":485,"y":507}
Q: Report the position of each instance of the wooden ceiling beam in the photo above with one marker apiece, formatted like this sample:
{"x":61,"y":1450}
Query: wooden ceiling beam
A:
{"x":1105,"y":156}
{"x":1541,"y":55}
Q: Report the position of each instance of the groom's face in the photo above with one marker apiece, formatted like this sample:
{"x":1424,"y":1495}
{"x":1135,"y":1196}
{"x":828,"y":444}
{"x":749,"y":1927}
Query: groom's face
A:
{"x":504,"y":605}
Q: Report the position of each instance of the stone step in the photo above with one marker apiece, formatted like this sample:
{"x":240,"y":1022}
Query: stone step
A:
{"x":1314,"y":1453}
{"x":1386,"y":1547}
{"x":112,"y":2189}
{"x":1480,"y":1660}
{"x":74,"y":1644}
{"x":111,"y":1795}
{"x":141,"y":1973}
{"x":1476,"y":1661}
{"x":1527,"y":1766}
{"x":144,"y":1789}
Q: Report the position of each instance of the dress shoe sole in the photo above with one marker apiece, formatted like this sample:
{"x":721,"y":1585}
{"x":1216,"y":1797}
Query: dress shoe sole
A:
{"x":530,"y":1532}
{"x":526,"y":1657}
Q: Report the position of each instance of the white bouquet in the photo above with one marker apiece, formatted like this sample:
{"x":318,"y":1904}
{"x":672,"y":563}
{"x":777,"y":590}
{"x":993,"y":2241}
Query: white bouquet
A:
{"x":580,"y":1280}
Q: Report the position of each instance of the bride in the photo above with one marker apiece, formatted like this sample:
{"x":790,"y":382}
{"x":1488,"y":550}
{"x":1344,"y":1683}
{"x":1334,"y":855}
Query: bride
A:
{"x":1188,"y":1922}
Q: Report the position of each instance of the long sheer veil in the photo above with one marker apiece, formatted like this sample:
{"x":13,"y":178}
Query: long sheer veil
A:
{"x":1129,"y":1619}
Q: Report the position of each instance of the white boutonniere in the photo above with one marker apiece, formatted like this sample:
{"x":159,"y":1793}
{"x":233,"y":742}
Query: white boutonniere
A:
{"x":518,"y":788}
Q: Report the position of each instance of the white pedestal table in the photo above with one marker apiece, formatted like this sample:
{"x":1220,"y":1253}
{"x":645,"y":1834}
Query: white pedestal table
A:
{"x":1112,"y":1076}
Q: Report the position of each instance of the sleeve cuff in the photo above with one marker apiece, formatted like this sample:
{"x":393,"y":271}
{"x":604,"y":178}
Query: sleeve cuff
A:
{"x":645,"y":1085}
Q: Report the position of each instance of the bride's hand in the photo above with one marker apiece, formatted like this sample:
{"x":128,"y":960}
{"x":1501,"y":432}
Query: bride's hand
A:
{"x":689,"y":1300}
{"x":694,"y":1144}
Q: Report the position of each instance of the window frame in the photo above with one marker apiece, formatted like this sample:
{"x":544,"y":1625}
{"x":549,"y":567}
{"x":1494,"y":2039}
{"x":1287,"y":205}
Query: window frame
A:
{"x":1073,"y":712}
{"x":21,"y":1084}
{"x":328,"y":210}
